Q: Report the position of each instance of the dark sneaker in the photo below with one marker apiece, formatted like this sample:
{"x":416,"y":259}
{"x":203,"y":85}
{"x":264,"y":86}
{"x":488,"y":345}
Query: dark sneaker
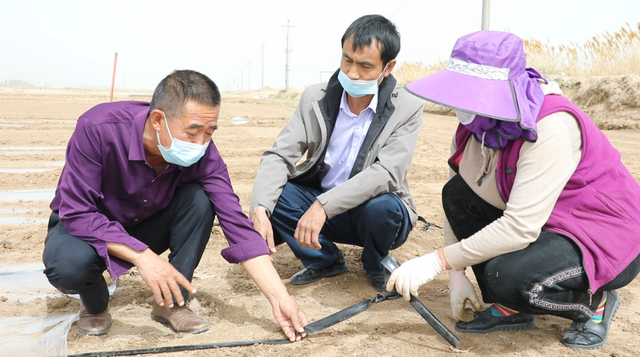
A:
{"x":309,"y":275}
{"x":378,"y":281}
{"x":484,"y":322}
{"x":590,"y":335}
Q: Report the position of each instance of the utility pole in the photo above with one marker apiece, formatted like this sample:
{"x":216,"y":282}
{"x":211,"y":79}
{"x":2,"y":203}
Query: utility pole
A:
{"x":262,"y":83}
{"x":249,"y":77}
{"x":486,"y":5}
{"x":115,"y":62}
{"x":286,"y":66}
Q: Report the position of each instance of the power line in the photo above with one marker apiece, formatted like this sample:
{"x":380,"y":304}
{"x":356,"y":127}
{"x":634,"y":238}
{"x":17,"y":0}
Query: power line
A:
{"x":401,"y":7}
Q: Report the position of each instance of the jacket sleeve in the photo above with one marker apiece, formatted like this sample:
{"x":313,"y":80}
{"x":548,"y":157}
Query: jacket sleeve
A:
{"x":279,"y":162}
{"x":389,"y":168}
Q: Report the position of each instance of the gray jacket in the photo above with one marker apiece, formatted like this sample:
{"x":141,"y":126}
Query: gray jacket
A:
{"x":380,"y":167}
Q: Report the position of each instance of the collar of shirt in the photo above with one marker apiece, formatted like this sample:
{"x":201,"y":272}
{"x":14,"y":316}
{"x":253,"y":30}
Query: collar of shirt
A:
{"x":136,"y":147}
{"x":344,"y":106}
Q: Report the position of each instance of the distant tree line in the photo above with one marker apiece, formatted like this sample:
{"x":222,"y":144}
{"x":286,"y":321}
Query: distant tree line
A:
{"x":15,"y":83}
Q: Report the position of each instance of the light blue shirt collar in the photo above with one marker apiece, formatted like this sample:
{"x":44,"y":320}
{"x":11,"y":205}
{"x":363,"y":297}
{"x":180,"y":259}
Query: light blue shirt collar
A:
{"x":345,"y":106}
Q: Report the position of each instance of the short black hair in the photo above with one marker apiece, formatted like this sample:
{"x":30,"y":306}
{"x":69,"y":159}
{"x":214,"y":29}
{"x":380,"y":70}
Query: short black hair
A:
{"x":368,"y":28}
{"x":183,"y":86}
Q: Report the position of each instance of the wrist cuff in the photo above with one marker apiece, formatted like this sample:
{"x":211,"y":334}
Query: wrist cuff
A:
{"x":444,"y":267}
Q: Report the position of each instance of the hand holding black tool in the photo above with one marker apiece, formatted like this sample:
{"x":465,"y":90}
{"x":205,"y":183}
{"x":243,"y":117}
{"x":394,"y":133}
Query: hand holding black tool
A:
{"x":390,"y":263}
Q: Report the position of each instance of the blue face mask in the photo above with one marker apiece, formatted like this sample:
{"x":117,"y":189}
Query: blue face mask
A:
{"x":358,"y":87}
{"x":181,"y":152}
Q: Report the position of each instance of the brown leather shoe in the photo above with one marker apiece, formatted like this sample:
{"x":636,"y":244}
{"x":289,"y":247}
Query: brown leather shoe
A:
{"x":94,"y":324}
{"x":180,"y":318}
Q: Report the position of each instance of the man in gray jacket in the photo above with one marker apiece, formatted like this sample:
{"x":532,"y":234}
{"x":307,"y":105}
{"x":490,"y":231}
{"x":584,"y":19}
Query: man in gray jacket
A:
{"x":359,"y":133}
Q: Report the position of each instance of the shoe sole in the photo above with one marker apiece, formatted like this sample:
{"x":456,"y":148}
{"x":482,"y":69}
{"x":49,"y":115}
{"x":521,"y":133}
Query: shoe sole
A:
{"x":164,"y":321}
{"x":346,"y":269}
{"x":94,"y":333}
{"x":616,"y":306}
{"x":515,"y":327}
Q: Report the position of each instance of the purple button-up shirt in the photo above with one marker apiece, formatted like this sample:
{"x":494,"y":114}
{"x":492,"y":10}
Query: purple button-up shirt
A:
{"x":107,"y":185}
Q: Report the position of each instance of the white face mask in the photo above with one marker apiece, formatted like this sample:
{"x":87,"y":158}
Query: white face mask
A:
{"x":359,"y":87}
{"x":465,"y":118}
{"x":181,"y":152}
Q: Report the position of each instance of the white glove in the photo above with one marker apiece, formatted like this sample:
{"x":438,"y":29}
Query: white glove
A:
{"x":461,"y":292}
{"x":415,"y":273}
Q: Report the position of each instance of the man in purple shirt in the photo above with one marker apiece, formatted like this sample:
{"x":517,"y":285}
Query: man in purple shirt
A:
{"x":143,"y":178}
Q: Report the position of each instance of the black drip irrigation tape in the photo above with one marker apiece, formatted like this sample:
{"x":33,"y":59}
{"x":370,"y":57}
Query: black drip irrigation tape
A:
{"x":389,"y":263}
{"x":180,"y":348}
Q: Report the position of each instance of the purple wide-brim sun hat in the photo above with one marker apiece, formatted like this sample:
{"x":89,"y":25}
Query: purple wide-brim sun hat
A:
{"x":486,"y":75}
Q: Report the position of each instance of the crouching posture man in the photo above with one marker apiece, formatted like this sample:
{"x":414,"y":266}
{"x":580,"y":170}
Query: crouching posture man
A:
{"x":359,"y":132}
{"x":143,"y":178}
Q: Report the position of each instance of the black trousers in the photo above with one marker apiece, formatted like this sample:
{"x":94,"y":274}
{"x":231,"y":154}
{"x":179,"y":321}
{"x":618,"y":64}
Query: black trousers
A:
{"x":546,"y":278}
{"x":184,"y":227}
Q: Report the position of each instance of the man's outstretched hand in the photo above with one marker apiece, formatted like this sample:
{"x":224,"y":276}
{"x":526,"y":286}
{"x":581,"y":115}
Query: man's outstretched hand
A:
{"x":290,"y":317}
{"x":286,"y":311}
{"x":161,"y":277}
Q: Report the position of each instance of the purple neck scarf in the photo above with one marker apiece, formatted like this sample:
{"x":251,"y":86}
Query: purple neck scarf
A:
{"x":496,"y":133}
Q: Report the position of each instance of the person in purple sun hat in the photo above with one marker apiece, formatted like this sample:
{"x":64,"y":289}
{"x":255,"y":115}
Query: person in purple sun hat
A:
{"x":538,"y":202}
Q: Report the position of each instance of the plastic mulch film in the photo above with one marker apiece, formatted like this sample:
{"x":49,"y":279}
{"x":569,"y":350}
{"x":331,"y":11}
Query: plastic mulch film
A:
{"x":28,"y":336}
{"x":32,"y":336}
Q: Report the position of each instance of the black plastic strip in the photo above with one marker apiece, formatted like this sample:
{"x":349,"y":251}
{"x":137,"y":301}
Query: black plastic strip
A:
{"x":348,"y":313}
{"x":181,"y":348}
{"x":389,"y":263}
{"x":434,"y":322}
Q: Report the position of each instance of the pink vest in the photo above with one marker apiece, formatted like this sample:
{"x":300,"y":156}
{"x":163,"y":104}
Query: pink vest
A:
{"x":599,"y":207}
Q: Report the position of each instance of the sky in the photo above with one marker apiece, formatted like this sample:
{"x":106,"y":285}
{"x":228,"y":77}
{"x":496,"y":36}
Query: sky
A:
{"x":241,"y":45}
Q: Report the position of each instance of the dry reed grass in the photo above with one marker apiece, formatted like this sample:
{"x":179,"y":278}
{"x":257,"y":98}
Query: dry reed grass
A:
{"x":607,"y":54}
{"x":410,"y":71}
